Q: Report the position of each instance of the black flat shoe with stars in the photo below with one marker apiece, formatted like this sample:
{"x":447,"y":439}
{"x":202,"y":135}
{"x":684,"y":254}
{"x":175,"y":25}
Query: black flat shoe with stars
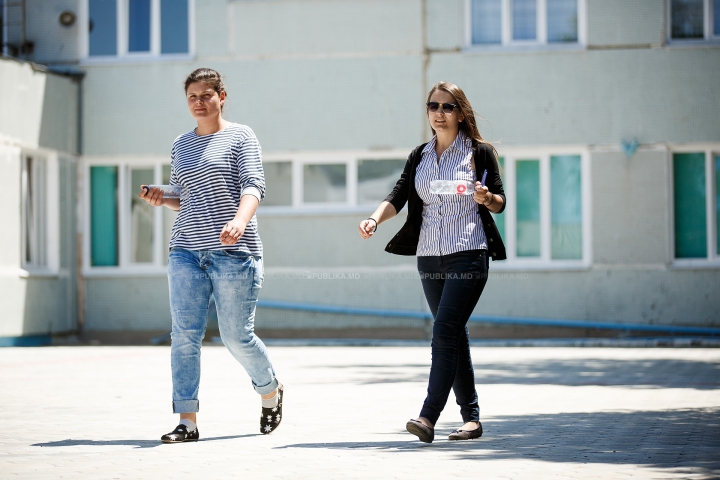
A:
{"x":180,"y":435}
{"x":270,"y":418}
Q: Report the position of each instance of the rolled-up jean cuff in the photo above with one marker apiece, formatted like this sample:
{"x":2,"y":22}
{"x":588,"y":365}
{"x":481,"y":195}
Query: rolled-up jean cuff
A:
{"x":186,"y":406}
{"x":269,"y":388}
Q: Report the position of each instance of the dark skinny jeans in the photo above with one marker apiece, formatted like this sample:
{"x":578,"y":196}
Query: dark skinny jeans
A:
{"x":452,"y":284}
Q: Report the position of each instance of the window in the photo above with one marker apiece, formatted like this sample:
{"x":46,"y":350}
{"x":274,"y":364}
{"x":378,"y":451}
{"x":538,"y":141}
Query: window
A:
{"x":123,"y":230}
{"x":34,"y":217}
{"x":40,"y":212}
{"x":278,"y":184}
{"x":545,"y":222}
{"x":137,"y":28}
{"x":324,"y":181}
{"x":376,"y":179}
{"x":696,"y":183}
{"x":525,"y":22}
{"x":694,"y":19}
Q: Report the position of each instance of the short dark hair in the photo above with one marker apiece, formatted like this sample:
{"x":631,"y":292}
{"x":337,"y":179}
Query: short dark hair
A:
{"x":209,"y":77}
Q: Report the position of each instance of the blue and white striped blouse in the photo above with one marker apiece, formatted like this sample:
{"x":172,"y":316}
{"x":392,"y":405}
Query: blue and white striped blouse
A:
{"x":214,"y":171}
{"x":450,"y":223}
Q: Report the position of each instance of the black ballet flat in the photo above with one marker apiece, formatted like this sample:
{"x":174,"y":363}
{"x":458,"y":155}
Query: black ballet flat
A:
{"x":466,"y":434}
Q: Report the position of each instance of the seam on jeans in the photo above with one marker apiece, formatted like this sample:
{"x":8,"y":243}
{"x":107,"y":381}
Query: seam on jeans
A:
{"x":244,"y":257}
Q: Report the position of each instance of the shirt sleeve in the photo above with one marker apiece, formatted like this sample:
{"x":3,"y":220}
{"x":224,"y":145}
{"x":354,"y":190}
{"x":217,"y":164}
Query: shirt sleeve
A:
{"x":250,"y":170}
{"x":400,"y":193}
{"x":494,"y":181}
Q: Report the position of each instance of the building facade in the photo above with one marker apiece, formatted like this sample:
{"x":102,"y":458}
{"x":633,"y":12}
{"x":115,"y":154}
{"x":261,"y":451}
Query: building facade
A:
{"x":604,"y":113}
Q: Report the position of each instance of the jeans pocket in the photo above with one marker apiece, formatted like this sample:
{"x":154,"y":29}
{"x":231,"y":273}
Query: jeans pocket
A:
{"x":238,"y":254}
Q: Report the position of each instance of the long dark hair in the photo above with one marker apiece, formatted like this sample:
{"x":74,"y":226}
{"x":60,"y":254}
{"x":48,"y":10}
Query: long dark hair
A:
{"x":469,"y":125}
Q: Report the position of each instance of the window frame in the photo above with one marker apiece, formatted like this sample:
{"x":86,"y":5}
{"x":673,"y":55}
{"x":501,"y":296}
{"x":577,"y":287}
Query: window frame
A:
{"x":350,"y":158}
{"x":123,"y":55}
{"x":124,"y":266}
{"x":507,"y":42}
{"x":49,"y":202}
{"x":544,"y":261}
{"x":708,"y":35}
{"x":712,"y":260}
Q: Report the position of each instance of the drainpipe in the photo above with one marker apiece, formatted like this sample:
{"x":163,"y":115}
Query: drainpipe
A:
{"x":426,"y":62}
{"x":80,"y":279}
{"x":4,"y":30}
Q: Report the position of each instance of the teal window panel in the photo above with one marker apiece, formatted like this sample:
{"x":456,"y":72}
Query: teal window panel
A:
{"x":486,"y":22}
{"x":566,"y":207}
{"x":103,"y":27}
{"x":690,"y":203}
{"x":104,"y":216}
{"x":142,"y":217}
{"x":174,"y":26}
{"x":527,"y":173}
{"x":139,"y":26}
{"x":717,"y":201}
{"x":500,"y":218}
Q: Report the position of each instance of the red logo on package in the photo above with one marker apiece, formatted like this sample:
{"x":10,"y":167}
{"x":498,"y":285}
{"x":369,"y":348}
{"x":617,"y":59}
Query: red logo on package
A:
{"x":461,"y":189}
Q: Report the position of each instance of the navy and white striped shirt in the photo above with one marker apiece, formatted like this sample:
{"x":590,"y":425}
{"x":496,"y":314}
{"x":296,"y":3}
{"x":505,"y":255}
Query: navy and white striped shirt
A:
{"x":214,"y":171}
{"x":450,"y":223}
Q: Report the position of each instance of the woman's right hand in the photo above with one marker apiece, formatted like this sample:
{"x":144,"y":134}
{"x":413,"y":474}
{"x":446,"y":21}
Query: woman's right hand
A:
{"x":367,"y":228}
{"x":153,"y":196}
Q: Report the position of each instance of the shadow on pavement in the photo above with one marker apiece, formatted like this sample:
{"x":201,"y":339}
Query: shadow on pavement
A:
{"x":129,"y":443}
{"x":687,"y":441}
{"x":661,"y":373}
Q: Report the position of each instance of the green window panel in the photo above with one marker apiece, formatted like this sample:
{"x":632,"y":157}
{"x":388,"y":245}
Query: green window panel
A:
{"x":690,"y":197}
{"x":104,"y":216}
{"x":528,"y":208}
{"x":142,"y":217}
{"x":566,"y":208}
{"x":500,"y":219}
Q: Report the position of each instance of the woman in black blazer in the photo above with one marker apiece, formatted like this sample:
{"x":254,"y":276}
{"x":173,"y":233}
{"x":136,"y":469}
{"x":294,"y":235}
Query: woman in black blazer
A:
{"x":453,"y":237}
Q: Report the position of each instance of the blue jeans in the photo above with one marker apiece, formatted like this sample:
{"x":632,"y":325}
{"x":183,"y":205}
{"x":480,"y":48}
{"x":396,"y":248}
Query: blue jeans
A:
{"x":234,"y":278}
{"x":452,"y":285}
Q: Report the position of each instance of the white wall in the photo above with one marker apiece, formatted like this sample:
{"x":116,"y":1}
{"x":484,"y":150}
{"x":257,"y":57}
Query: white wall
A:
{"x":36,"y":114}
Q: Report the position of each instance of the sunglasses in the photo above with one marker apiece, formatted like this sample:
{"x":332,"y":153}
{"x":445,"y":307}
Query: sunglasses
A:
{"x":447,"y":108}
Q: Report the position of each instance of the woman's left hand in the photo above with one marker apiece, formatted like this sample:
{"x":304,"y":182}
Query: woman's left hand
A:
{"x":482,"y":195}
{"x":232,"y":231}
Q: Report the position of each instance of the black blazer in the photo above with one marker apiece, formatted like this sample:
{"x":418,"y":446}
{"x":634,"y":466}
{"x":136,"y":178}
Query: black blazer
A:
{"x":406,"y":240}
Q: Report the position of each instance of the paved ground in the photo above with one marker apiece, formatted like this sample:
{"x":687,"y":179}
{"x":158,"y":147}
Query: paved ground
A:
{"x":98,"y":412}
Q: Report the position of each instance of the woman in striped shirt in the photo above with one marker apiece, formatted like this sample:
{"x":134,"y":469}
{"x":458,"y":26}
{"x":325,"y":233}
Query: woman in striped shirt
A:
{"x":215,"y":250}
{"x":453,"y":237}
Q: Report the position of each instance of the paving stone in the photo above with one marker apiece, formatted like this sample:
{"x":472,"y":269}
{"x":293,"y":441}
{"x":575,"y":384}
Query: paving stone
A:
{"x":98,"y":412}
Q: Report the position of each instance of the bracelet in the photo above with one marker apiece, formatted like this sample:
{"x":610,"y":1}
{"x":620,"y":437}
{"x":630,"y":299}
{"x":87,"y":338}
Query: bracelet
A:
{"x":370,"y":218}
{"x":492,"y":200}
